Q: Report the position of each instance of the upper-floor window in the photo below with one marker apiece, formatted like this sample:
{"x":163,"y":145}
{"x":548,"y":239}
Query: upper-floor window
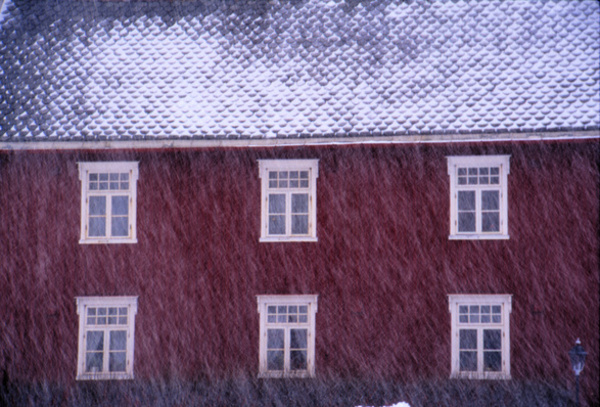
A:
{"x":287,"y":335}
{"x":480,"y":335}
{"x":478,"y":197}
{"x":289,"y":200}
{"x":106,"y":333}
{"x":108,"y":202}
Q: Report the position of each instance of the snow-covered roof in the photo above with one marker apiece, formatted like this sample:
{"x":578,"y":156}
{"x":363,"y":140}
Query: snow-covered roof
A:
{"x":259,"y":69}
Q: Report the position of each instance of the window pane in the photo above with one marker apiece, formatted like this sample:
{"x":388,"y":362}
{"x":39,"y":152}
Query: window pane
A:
{"x":490,"y":200}
{"x":120,"y":205}
{"x":97,"y":227}
{"x":466,"y":221}
{"x":277,"y":225}
{"x":300,"y":224}
{"x":116,"y":361}
{"x":468,"y":361}
{"x":94,"y":351}
{"x":118,"y":340}
{"x":298,"y":338}
{"x":490,"y":222}
{"x":93,"y":362}
{"x":468,"y":339}
{"x":298,"y":360}
{"x":299,"y":203}
{"x":466,"y":200}
{"x":119,"y":226}
{"x":97,"y":205}
{"x":275,"y":360}
{"x":275,"y":339}
{"x":492,"y":361}
{"x":94,"y":341}
{"x":492,"y":339}
{"x":276,"y":203}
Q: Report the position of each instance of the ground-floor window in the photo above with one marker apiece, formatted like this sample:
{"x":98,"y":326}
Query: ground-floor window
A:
{"x":287,"y":335}
{"x":106,"y":333}
{"x":480,"y":335}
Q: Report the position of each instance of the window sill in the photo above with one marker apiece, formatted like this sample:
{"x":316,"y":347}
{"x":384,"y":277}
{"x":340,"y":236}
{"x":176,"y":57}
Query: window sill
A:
{"x":276,"y":239}
{"x":478,"y":237}
{"x":285,"y":375}
{"x":108,"y":241}
{"x":105,"y":376}
{"x":481,"y":376}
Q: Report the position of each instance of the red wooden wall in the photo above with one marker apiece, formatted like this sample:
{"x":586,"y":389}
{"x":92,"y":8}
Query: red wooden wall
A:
{"x":383,"y":265}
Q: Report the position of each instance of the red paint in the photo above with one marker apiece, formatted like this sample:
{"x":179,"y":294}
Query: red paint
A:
{"x":383,"y":265}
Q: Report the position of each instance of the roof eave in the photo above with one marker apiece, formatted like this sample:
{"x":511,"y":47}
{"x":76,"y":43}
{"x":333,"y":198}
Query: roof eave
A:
{"x":199,"y":143}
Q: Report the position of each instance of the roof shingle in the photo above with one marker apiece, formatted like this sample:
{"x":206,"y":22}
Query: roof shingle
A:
{"x":78,"y":70}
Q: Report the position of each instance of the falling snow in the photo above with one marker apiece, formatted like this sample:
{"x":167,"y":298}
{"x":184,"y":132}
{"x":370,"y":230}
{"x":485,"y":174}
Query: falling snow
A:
{"x":383,"y":266}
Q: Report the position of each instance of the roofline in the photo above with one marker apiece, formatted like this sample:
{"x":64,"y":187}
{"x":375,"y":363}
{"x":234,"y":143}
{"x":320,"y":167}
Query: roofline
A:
{"x":154,"y":144}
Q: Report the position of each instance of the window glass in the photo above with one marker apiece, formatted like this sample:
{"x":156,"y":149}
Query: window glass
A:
{"x":492,"y":345}
{"x":108,"y":202}
{"x":478,"y":207}
{"x":106,"y":341}
{"x":286,"y":335}
{"x":117,"y":354}
{"x":275,"y":349}
{"x":94,"y":351}
{"x":289,"y":204}
{"x":480,"y":335}
{"x":277,"y":214}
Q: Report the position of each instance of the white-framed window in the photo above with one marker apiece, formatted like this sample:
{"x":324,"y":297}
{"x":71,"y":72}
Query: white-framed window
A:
{"x":287,"y":335}
{"x":289,"y":200}
{"x":480,"y":335}
{"x":108,"y":202}
{"x":106,"y":337}
{"x":478,"y":196}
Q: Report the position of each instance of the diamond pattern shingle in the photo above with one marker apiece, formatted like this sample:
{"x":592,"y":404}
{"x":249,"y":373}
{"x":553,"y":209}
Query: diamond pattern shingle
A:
{"x":108,"y":70}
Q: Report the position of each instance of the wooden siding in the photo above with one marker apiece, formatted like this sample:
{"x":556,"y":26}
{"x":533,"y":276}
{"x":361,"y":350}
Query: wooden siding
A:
{"x":383,"y":265}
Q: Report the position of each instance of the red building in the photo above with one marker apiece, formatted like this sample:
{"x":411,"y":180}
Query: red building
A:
{"x":307,"y":190}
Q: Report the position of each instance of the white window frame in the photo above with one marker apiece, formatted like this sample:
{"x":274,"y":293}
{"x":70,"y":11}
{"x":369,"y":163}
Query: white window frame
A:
{"x":83,"y":303}
{"x":503,"y":300}
{"x":456,"y":162}
{"x":312,"y":166}
{"x":264,"y":301}
{"x":85,"y":168}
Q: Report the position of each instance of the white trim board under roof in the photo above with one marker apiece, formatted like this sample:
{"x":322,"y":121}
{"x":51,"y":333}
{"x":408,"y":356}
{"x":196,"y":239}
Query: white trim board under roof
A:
{"x":191,"y":143}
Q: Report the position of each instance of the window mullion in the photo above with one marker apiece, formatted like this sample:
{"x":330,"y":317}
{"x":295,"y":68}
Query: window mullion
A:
{"x":108,"y":215}
{"x":478,"y":210}
{"x":286,"y":349}
{"x":105,"y":351}
{"x":480,"y":350}
{"x":288,"y":213}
